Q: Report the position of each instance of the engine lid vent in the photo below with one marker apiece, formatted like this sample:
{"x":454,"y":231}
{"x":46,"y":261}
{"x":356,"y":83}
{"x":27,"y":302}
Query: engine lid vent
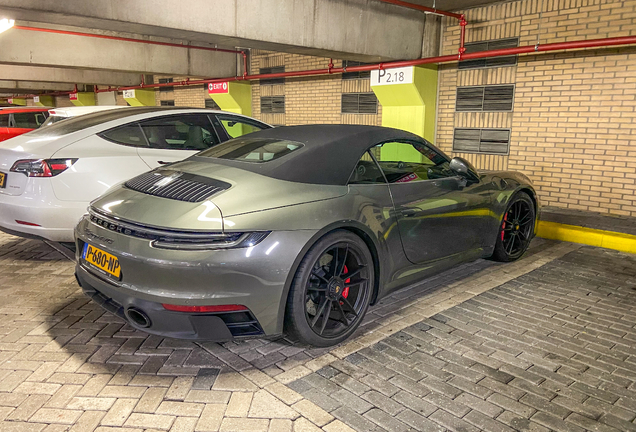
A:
{"x":176,"y":185}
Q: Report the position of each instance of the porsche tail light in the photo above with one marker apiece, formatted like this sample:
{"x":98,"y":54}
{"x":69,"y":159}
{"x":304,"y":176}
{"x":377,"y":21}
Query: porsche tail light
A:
{"x":219,"y":241}
{"x":42,"y":167}
{"x":220,"y":308}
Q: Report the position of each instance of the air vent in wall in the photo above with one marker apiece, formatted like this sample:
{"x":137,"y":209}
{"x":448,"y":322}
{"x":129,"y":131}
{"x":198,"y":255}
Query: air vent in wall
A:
{"x":490,"y":141}
{"x":359,"y":103}
{"x":493,"y":61}
{"x":485,"y":98}
{"x":354,"y":75}
{"x":272,"y":70}
{"x":167,"y":88}
{"x":272,"y":104}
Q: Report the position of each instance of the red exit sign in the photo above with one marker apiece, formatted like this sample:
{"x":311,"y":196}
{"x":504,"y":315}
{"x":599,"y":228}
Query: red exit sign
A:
{"x":72,"y":96}
{"x":214,"y":88}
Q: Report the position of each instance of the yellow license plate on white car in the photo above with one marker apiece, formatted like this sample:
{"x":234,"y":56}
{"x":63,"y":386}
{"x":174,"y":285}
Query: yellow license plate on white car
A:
{"x":102,"y":260}
{"x":3,"y":180}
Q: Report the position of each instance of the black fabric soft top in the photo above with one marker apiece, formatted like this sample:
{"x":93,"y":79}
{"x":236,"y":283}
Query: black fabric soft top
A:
{"x":329,"y":154}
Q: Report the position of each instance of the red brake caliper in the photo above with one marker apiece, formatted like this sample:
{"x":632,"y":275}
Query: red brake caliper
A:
{"x":345,"y":292}
{"x":503,"y":225}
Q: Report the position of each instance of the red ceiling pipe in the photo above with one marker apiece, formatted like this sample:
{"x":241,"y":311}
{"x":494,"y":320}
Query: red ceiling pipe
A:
{"x":423,"y":8}
{"x":593,"y":43}
{"x":462,"y":37}
{"x":528,"y":49}
{"x":244,"y":63}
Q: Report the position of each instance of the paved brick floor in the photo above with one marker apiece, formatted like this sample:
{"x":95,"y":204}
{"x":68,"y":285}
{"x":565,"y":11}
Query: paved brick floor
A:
{"x":546,"y":343}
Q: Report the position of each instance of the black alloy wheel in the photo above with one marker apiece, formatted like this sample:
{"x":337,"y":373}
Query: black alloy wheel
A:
{"x":331,"y":291}
{"x":516,"y":229}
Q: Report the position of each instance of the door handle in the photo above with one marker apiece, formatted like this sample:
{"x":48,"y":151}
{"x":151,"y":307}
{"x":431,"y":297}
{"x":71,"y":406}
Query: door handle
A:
{"x":410,"y":212}
{"x":163,"y":163}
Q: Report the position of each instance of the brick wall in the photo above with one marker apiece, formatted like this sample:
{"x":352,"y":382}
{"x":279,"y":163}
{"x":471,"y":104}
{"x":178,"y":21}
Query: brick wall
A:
{"x":189,"y":96}
{"x":573,"y":125}
{"x":308,"y":99}
{"x":62,"y":101}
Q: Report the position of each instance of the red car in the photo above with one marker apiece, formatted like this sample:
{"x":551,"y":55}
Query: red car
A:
{"x":16,"y":121}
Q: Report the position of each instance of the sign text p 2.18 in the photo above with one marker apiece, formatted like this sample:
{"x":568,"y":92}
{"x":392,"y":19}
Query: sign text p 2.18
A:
{"x":402,"y":75}
{"x":391,"y":77}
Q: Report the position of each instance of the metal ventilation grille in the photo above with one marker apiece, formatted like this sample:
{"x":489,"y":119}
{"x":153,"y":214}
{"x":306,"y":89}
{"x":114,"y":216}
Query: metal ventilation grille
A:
{"x":272,"y":70}
{"x":491,"y":141}
{"x":168,"y":88}
{"x":354,"y":75}
{"x":359,"y":103}
{"x":493,"y":61}
{"x":176,"y":185}
{"x":272,"y":104}
{"x":485,"y":98}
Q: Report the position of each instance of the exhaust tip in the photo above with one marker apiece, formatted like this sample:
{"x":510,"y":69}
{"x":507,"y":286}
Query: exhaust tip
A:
{"x":138,"y":317}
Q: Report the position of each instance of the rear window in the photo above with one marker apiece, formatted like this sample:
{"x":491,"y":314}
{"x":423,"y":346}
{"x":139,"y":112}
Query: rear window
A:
{"x":75,"y":124}
{"x":52,"y":119}
{"x":129,"y":134}
{"x":28,"y":120}
{"x":4,"y":120}
{"x":257,"y":150}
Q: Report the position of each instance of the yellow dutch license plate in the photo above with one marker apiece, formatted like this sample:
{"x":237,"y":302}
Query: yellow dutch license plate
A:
{"x":3,"y":180}
{"x":102,"y":260}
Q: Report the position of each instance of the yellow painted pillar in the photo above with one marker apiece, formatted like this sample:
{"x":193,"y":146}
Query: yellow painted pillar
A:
{"x":82,"y":98}
{"x":233,"y":97}
{"x":17,"y":101}
{"x":140,"y":97}
{"x":408,"y":96}
{"x":44,"y":101}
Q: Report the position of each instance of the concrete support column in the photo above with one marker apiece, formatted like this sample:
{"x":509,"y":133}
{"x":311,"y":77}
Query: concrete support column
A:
{"x":432,"y":36}
{"x":107,"y":98}
{"x":232,"y":96}
{"x":44,"y":101}
{"x":82,"y":98}
{"x":408,"y":96}
{"x":140,"y":97}
{"x":17,"y":101}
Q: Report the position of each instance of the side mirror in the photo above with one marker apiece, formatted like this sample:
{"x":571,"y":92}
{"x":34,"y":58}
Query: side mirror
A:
{"x":465,"y":169}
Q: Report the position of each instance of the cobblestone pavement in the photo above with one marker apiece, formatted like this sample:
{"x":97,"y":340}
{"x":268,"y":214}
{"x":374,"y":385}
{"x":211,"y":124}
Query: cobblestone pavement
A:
{"x":546,"y":343}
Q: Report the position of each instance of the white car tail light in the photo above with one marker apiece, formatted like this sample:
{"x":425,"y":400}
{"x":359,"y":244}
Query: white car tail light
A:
{"x":42,"y":167}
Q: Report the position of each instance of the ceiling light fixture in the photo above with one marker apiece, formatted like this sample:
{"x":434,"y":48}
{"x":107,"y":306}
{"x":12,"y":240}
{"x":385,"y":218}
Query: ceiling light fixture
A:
{"x":6,"y":24}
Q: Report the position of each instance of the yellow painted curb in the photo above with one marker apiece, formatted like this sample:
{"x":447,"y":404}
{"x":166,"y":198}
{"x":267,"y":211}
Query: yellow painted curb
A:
{"x":589,"y":236}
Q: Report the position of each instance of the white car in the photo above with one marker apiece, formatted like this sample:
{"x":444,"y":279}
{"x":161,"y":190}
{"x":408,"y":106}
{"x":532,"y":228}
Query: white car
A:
{"x":58,"y":114}
{"x":50,"y":175}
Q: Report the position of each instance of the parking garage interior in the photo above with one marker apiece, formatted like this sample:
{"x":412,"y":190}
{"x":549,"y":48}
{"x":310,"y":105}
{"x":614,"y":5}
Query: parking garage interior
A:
{"x":543,"y":88}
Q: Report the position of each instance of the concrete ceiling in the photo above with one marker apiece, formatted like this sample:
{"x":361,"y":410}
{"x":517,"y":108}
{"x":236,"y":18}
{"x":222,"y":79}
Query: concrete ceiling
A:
{"x":328,"y":28}
{"x":352,"y":29}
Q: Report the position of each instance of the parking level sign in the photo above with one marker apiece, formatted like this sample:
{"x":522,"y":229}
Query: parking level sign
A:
{"x":403,"y":75}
